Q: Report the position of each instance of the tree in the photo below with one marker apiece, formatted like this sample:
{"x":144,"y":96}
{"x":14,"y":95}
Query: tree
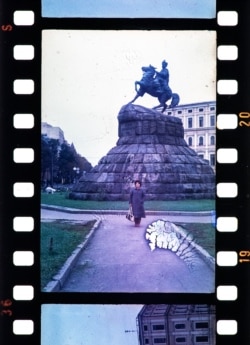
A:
{"x":83,"y":163}
{"x":60,"y":163}
{"x":66,"y":163}
{"x":49,"y":158}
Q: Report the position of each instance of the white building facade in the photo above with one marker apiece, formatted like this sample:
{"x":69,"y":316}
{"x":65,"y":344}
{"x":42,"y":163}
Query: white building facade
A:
{"x":53,"y":132}
{"x":199,"y":122}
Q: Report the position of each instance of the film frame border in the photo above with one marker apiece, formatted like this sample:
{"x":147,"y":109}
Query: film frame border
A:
{"x":21,"y":190}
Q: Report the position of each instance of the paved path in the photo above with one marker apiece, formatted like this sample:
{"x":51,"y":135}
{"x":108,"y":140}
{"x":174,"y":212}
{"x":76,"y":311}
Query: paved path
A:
{"x":118,"y":259}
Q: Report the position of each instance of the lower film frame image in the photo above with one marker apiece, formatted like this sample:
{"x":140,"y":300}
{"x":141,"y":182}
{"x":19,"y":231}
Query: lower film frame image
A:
{"x":134,"y":324}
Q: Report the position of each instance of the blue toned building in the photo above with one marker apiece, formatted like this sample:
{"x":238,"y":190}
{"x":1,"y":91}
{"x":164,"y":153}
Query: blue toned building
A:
{"x":184,"y":324}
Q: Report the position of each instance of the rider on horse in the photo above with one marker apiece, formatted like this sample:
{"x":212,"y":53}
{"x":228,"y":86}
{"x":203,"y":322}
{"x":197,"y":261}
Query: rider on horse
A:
{"x":163,"y":76}
{"x":157,"y":81}
{"x":156,"y":84}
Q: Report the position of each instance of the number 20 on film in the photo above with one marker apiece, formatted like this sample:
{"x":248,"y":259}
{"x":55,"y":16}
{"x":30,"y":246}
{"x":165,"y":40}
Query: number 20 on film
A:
{"x":244,"y":116}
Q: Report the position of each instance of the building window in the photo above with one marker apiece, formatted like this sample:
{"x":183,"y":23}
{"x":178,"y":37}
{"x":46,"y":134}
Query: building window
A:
{"x":201,"y":339}
{"x":212,"y":120}
{"x":212,"y":159}
{"x":158,"y":327}
{"x":201,"y":156}
{"x":201,"y":308}
{"x":181,"y":309}
{"x":199,"y":325}
{"x":190,"y":110}
{"x":159,"y":340}
{"x":201,"y":109}
{"x":169,"y":112}
{"x":212,"y":108}
{"x":190,"y":141}
{"x":146,"y":341}
{"x":201,"y":141}
{"x":180,"y":326}
{"x":201,"y":121}
{"x":212,"y":140}
{"x":179,"y":112}
{"x":190,"y":122}
{"x":179,"y":340}
{"x":145,"y":327}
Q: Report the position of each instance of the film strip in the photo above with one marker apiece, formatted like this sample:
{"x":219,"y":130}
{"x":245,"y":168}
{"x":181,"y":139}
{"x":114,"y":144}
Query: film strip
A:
{"x":21,"y":299}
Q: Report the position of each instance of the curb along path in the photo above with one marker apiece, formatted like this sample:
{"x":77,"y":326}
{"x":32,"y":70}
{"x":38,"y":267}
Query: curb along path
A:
{"x":116,"y":258}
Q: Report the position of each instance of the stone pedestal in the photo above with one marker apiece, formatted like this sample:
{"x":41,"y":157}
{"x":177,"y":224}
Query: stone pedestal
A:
{"x":151,"y":148}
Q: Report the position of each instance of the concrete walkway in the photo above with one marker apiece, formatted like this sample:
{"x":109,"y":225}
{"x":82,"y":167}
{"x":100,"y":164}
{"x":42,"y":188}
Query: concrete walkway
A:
{"x":118,"y":258}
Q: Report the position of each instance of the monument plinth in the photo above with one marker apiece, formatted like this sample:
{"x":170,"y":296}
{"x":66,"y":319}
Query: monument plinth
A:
{"x":151,"y":148}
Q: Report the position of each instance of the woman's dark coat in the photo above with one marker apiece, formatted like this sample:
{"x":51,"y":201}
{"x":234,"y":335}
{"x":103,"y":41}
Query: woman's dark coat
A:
{"x":136,"y":199}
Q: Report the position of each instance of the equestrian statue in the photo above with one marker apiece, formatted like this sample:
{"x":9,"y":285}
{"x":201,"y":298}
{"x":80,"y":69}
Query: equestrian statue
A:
{"x":156,"y":84}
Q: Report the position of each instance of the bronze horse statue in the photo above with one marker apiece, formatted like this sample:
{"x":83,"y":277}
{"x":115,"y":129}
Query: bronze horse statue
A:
{"x":154,"y":84}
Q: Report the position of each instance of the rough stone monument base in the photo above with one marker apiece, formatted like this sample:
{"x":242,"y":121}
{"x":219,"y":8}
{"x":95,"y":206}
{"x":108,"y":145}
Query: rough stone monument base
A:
{"x":151,"y":148}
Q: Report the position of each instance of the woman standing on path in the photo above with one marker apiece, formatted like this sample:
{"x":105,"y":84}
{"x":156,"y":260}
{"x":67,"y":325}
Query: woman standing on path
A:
{"x":136,"y":201}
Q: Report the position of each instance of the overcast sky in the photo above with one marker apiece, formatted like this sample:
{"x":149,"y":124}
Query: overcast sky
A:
{"x":130,"y":8}
{"x":87,"y":76}
{"x":71,"y":324}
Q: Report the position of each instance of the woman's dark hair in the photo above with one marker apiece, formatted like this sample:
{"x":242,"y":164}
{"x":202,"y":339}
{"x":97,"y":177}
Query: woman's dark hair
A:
{"x":137,"y":181}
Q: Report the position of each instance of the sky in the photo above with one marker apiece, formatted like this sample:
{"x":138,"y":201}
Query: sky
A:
{"x":63,"y":324}
{"x":88,"y":75}
{"x":130,"y":8}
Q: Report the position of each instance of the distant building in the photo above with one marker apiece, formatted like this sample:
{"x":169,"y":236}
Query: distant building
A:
{"x":165,"y":324}
{"x":199,"y":122}
{"x":53,"y":132}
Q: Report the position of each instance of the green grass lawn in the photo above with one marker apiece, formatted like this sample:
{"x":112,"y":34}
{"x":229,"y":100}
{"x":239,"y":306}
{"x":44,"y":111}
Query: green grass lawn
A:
{"x":58,"y":240}
{"x":66,"y":236}
{"x":204,"y":235}
{"x":61,"y":199}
